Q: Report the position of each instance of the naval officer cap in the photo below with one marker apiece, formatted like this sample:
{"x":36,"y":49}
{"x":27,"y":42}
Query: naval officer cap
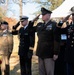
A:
{"x":4,"y":23}
{"x":45,"y":11}
{"x":22,"y":18}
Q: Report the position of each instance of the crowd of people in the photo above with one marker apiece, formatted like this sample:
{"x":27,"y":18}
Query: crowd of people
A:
{"x":55,"y":46}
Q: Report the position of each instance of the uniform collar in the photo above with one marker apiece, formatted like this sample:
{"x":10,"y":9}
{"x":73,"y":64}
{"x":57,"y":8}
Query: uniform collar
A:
{"x":25,"y":26}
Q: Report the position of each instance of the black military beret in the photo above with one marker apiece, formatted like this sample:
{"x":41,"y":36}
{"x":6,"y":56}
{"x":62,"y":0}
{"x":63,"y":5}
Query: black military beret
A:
{"x":22,"y":18}
{"x":45,"y":11}
{"x":4,"y":22}
{"x":72,"y":9}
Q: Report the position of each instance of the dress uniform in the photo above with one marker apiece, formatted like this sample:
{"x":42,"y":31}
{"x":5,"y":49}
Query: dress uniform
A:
{"x":60,"y":64}
{"x":48,"y":43}
{"x":69,"y":52}
{"x":6,"y":47}
{"x":25,"y":41}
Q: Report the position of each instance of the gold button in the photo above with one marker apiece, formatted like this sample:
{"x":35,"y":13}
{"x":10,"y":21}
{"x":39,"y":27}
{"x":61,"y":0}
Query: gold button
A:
{"x":68,"y":36}
{"x":73,"y":37}
{"x":71,"y":45}
{"x":72,"y":41}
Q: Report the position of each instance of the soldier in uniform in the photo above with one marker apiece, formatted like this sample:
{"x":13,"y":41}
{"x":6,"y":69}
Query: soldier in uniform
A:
{"x":69,"y":52}
{"x":60,"y":64}
{"x":48,"y":43}
{"x":26,"y":40}
{"x":6,"y":47}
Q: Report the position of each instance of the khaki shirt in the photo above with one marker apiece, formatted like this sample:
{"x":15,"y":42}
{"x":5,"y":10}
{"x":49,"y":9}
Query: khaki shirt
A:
{"x":6,"y":42}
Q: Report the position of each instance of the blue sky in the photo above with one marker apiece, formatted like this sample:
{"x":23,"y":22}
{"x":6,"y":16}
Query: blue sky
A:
{"x":28,"y":10}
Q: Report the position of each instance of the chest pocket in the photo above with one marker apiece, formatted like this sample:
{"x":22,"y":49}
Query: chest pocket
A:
{"x":23,"y":33}
{"x":49,"y":27}
{"x":49,"y":31}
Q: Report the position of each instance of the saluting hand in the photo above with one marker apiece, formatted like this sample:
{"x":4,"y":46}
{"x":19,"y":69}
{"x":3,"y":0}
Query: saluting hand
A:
{"x":15,"y":26}
{"x":36,"y":18}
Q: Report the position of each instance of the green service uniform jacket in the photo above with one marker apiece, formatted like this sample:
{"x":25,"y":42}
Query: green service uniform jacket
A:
{"x":48,"y":40}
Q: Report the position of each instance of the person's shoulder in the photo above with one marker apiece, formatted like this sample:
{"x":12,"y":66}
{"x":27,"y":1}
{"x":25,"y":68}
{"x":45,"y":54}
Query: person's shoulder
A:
{"x":20,"y":29}
{"x":53,"y":21}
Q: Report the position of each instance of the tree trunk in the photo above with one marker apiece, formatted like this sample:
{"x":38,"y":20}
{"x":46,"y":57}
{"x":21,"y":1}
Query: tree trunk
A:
{"x":20,"y":7}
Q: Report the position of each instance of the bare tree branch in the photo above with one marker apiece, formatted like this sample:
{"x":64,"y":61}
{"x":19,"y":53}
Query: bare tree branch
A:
{"x":2,"y":1}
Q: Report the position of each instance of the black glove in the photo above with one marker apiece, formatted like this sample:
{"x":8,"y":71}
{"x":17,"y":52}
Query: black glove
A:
{"x":14,"y":27}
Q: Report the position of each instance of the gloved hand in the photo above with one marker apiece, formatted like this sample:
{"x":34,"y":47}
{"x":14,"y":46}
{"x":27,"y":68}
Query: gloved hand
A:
{"x":15,"y":26}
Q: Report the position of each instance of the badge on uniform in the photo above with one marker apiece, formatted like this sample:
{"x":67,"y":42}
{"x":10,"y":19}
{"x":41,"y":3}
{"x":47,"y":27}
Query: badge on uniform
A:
{"x":49,"y":27}
{"x":63,"y":37}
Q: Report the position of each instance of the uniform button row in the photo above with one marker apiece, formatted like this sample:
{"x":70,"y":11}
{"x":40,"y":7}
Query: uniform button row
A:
{"x":72,"y":45}
{"x":73,"y":37}
{"x":72,"y":41}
